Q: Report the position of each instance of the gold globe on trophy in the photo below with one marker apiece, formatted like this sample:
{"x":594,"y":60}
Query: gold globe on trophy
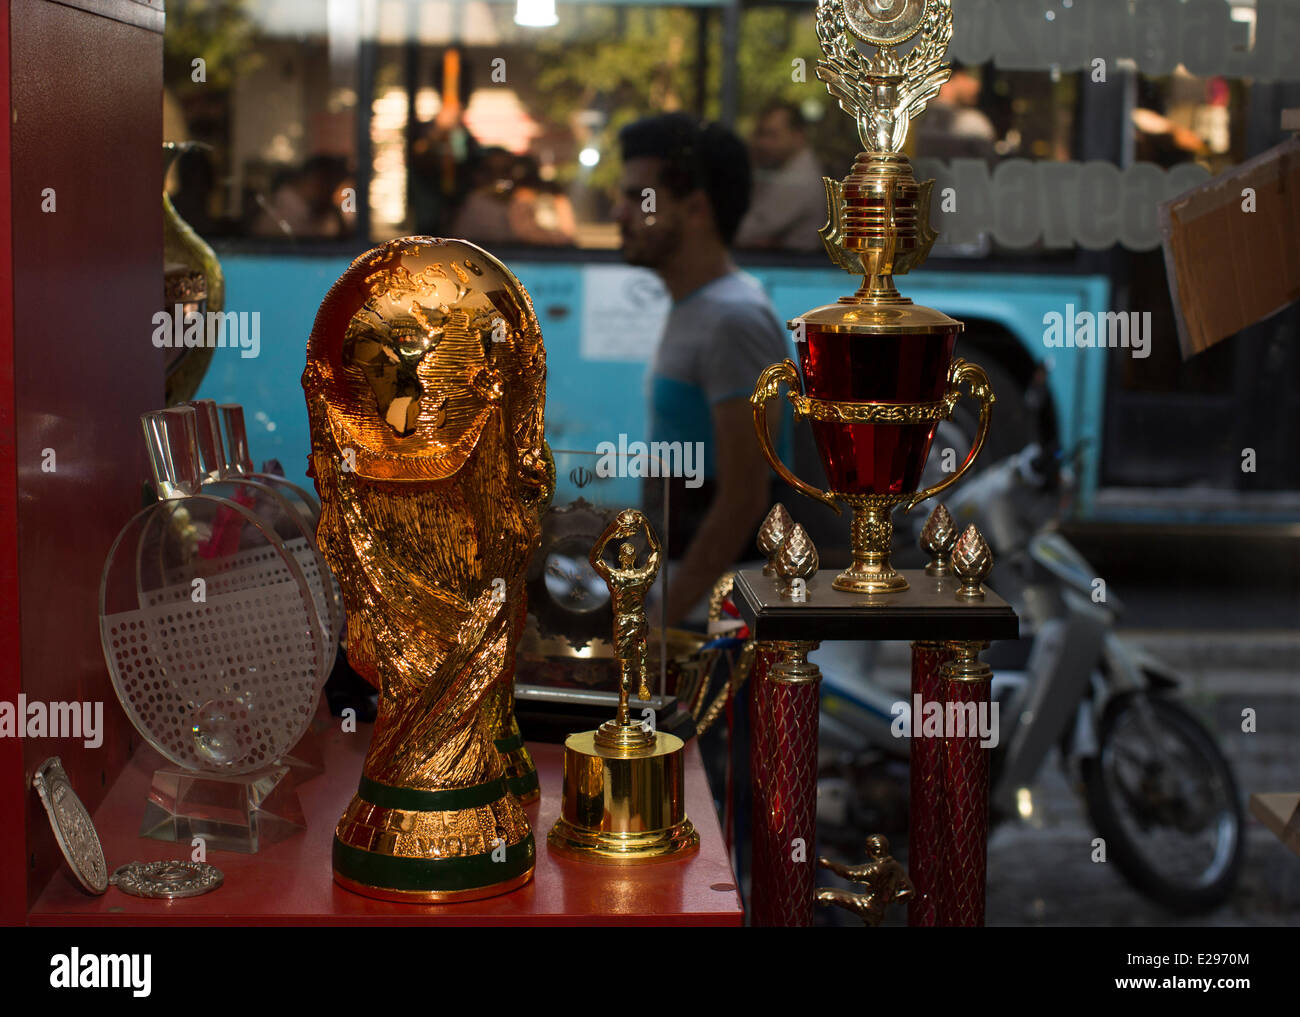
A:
{"x":877,"y":372}
{"x":425,"y":385}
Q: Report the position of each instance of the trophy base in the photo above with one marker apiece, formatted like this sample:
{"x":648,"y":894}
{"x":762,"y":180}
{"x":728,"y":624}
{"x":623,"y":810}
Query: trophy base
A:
{"x":623,"y":806}
{"x":863,"y":578}
{"x":432,"y":896}
{"x":618,"y":848}
{"x":433,"y":846}
{"x":237,"y":813}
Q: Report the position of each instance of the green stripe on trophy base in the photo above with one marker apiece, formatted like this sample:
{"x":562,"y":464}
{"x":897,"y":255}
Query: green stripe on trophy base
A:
{"x":510,"y":743}
{"x":414,"y":800}
{"x":524,"y":785}
{"x":433,"y":875}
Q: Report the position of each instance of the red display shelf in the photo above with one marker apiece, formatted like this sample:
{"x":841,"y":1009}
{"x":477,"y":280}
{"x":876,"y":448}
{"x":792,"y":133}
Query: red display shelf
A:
{"x":290,"y":883}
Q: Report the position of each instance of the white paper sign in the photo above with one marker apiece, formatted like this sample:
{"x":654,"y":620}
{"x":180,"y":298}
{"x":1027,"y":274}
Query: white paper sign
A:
{"x":623,"y":313}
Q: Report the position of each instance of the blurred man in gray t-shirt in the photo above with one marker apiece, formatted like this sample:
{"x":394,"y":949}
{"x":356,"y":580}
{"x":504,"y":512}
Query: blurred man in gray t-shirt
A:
{"x":720,"y":335}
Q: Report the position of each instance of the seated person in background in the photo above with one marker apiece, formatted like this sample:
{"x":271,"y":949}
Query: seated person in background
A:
{"x":720,"y":335}
{"x":954,"y":127}
{"x":511,"y":204}
{"x":304,"y":202}
{"x":483,"y":218}
{"x":539,"y":213}
{"x":789,"y":204}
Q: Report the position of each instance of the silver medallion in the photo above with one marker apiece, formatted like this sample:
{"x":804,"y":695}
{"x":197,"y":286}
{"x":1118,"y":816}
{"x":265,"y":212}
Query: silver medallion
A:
{"x":167,"y":879}
{"x":72,"y":826}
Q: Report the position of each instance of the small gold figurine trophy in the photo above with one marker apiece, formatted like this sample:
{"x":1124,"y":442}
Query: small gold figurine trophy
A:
{"x":623,"y":797}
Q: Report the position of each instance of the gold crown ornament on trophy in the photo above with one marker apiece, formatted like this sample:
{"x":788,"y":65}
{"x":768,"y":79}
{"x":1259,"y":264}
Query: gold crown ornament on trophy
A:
{"x":623,"y":798}
{"x":425,"y":386}
{"x":877,"y":372}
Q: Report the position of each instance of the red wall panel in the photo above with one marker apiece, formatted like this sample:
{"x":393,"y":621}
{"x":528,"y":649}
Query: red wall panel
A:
{"x":13,"y":835}
{"x":86,"y":121}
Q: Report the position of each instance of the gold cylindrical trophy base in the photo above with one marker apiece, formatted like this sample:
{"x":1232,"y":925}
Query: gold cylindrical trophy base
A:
{"x":865,"y":577}
{"x":432,"y":896}
{"x":623,"y":806}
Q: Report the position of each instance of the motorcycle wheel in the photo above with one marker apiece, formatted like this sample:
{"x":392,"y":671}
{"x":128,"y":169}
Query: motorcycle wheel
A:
{"x":1162,"y":795}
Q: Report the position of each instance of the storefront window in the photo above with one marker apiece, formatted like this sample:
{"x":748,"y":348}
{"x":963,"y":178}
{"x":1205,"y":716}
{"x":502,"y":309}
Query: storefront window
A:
{"x":366,"y":119}
{"x":336,"y":125}
{"x":271,"y":88}
{"x":360,"y":121}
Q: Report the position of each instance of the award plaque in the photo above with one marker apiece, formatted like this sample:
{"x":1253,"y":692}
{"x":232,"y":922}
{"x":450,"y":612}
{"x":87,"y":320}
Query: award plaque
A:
{"x":215,"y":622}
{"x":876,"y":372}
{"x":74,"y":830}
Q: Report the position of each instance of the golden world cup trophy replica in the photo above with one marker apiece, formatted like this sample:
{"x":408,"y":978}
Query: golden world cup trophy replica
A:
{"x":878,"y":372}
{"x":624,"y":793}
{"x":425,"y":386}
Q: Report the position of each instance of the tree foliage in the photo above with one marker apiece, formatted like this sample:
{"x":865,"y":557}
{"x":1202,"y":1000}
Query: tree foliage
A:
{"x":617,"y":64}
{"x":220,"y":31}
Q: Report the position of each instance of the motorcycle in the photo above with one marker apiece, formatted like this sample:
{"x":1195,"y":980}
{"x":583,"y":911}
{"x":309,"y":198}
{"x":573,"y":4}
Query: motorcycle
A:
{"x":1158,"y":789}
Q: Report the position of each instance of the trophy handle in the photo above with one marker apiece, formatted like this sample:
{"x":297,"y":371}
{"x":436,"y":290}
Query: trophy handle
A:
{"x":979,"y":388}
{"x":767,"y":389}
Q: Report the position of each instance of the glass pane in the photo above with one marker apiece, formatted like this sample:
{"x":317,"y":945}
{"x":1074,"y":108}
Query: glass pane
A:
{"x":271,"y":88}
{"x":473,"y":125}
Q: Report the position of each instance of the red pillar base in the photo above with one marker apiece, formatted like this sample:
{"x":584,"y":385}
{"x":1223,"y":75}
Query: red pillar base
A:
{"x":927,"y":821}
{"x":785,"y":703}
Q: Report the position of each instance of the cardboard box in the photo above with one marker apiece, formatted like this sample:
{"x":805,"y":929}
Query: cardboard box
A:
{"x":1229,"y":266}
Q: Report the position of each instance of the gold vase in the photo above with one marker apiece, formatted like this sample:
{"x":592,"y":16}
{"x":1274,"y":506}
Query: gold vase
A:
{"x":187,"y":253}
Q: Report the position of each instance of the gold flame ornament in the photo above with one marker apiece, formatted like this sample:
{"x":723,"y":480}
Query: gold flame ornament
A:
{"x":624,"y":784}
{"x":938,"y":538}
{"x":796,"y":559}
{"x":425,"y":386}
{"x":776,"y":527}
{"x":972,"y":560}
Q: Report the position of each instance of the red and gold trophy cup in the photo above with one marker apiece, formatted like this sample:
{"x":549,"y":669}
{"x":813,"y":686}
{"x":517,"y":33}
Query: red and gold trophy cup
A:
{"x":876,"y":375}
{"x":877,"y":372}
